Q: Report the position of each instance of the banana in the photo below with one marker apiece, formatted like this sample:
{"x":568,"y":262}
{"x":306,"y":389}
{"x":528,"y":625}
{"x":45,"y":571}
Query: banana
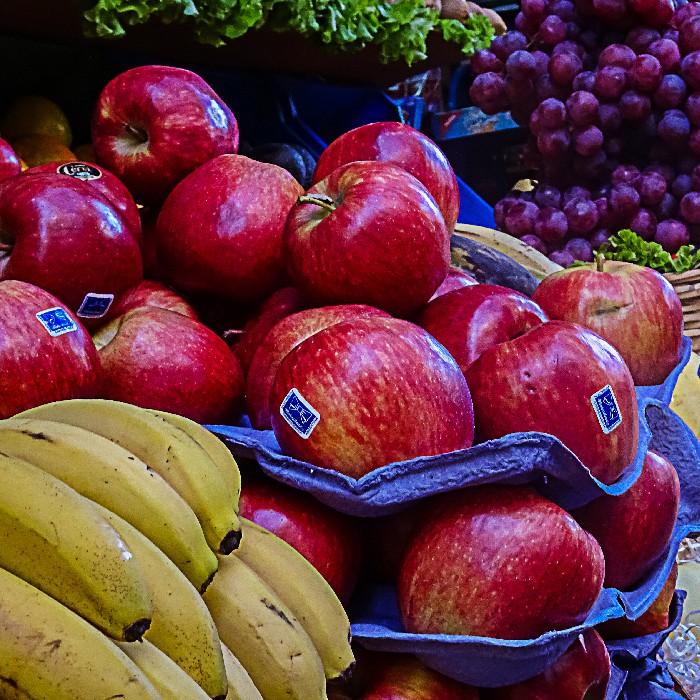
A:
{"x":169,"y":451}
{"x":240,"y":686}
{"x":527,"y":256}
{"x":113,"y":477}
{"x":215,"y":448}
{"x":686,"y":395}
{"x":166,"y":676}
{"x":47,"y":651}
{"x":264,"y":635}
{"x":54,"y":538}
{"x":305,"y":592}
{"x":182,"y":626}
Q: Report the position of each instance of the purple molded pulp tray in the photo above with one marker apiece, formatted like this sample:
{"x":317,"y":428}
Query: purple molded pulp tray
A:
{"x":529,"y":457}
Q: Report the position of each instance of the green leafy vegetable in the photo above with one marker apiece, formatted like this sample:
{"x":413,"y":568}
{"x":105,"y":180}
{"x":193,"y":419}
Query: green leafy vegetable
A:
{"x":399,"y":29}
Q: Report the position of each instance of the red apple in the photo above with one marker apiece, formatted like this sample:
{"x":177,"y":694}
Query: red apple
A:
{"x":331,"y":541}
{"x":634,"y":529}
{"x":404,"y":677}
{"x":581,"y":673}
{"x":64,"y":235}
{"x":369,"y":233}
{"x":9,"y":162}
{"x":454,"y":279}
{"x":109,"y":185}
{"x":402,"y":145}
{"x":150,"y":293}
{"x":632,"y":306}
{"x":152,"y":125}
{"x":160,"y":359}
{"x":282,"y":338}
{"x":565,"y":380}
{"x":220,"y":230}
{"x":368,"y":392}
{"x":277,"y":306}
{"x":469,"y":320}
{"x":45,"y":353}
{"x":472,"y":566}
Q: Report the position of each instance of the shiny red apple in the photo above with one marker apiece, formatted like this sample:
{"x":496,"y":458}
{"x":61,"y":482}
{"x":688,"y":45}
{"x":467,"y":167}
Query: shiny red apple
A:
{"x":150,"y":293}
{"x":498,"y":561}
{"x":220,"y":230}
{"x":454,"y":279}
{"x":581,"y":673}
{"x":65,"y":236}
{"x":153,"y":125}
{"x":367,"y":392}
{"x":282,"y":338}
{"x":161,"y":359}
{"x":469,"y":320}
{"x":331,"y":541}
{"x":562,"y":379}
{"x":634,"y":529}
{"x":402,"y":145}
{"x":106,"y":183}
{"x":635,"y":308}
{"x":369,"y":233}
{"x":9,"y":162}
{"x":45,"y":353}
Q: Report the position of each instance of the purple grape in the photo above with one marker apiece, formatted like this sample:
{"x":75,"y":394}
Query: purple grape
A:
{"x":535,"y":122}
{"x":552,"y":30}
{"x":649,"y":125}
{"x":518,"y":91}
{"x":506,"y":44}
{"x":501,"y":210}
{"x":582,"y":108}
{"x":591,"y":167}
{"x":580,"y":248}
{"x":610,"y":82}
{"x":692,"y":108}
{"x":681,"y":186}
{"x":535,"y":242}
{"x":624,"y":200}
{"x":575,"y":192}
{"x":634,"y":106}
{"x":606,"y":216}
{"x":541,"y":61}
{"x":609,"y":118}
{"x":534,"y":8}
{"x":521,"y":66}
{"x":628,"y":174}
{"x":564,"y":9}
{"x":582,"y":215}
{"x":666,"y":172}
{"x":584,"y":81}
{"x":553,"y":143}
{"x":640,"y":38}
{"x":671,"y":34}
{"x":616,"y":55}
{"x":564,"y":67}
{"x":600,"y":237}
{"x":671,"y":92}
{"x":587,"y":140}
{"x":485,"y":61}
{"x":685,"y":12}
{"x":545,"y":88}
{"x":525,"y":24}
{"x":643,"y":223}
{"x":689,"y":207}
{"x":651,"y":188}
{"x":646,"y":73}
{"x":547,"y":196}
{"x":573,"y":31}
{"x":569,"y":46}
{"x":552,"y":113}
{"x":690,"y":69}
{"x":551,"y":225}
{"x":674,"y":128}
{"x":610,"y":10}
{"x":488,"y":87}
{"x":671,"y":235}
{"x":520,"y":219}
{"x":666,"y":53}
{"x":562,"y":257}
{"x":689,"y":35}
{"x":667,"y":207}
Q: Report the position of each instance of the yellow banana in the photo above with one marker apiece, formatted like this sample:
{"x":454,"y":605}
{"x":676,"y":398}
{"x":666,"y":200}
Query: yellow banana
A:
{"x":166,"y":676}
{"x":240,"y":685}
{"x":264,"y":635}
{"x":169,"y":451}
{"x":55,"y":539}
{"x":686,"y":396}
{"x":182,"y":626}
{"x":47,"y":651}
{"x":108,"y":474}
{"x":306,"y":593}
{"x":215,"y":448}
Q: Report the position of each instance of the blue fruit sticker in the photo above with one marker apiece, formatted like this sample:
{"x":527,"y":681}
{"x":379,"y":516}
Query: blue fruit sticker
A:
{"x":299,"y":413}
{"x":95,"y":305}
{"x":56,"y":321}
{"x":606,"y":408}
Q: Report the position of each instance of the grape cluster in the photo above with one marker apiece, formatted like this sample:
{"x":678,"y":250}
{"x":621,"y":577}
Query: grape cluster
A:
{"x":613,"y":114}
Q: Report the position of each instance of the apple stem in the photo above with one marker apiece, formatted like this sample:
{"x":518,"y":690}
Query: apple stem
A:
{"x":320,"y":200}
{"x":139,"y":134}
{"x":599,"y":260}
{"x":5,"y":247}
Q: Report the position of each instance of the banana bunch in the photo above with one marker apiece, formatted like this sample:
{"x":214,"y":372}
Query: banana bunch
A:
{"x":125,"y":570}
